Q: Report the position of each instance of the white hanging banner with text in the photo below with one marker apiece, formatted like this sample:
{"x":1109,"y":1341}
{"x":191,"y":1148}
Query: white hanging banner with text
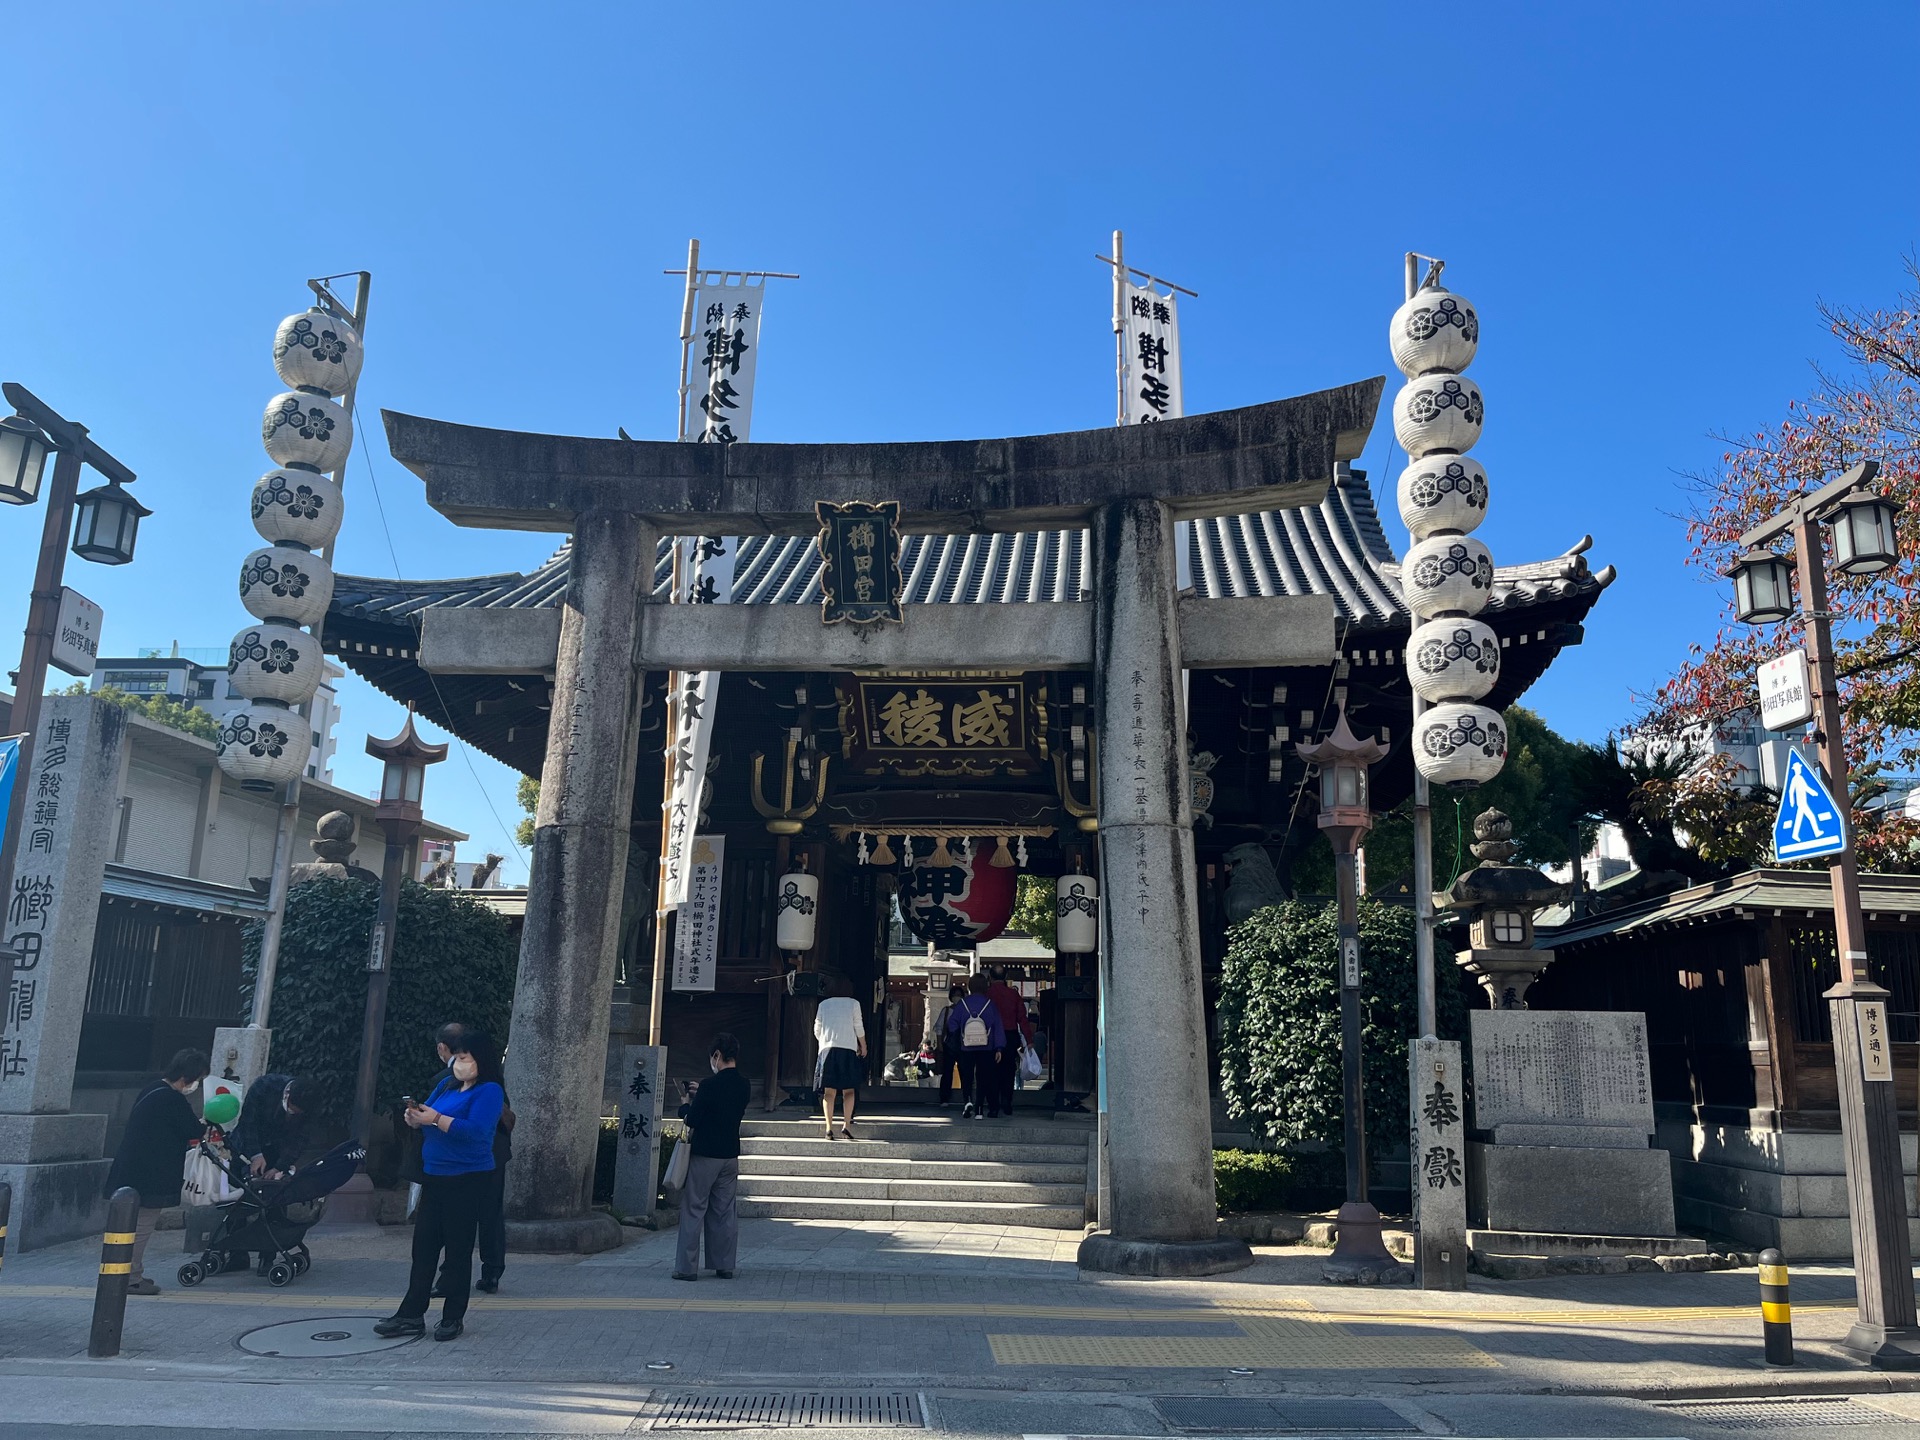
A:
{"x":696,"y":938}
{"x":726,"y":352}
{"x":1152,"y":336}
{"x":706,"y":578}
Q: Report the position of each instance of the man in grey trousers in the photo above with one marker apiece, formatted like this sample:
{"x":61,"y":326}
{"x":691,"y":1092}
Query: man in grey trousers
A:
{"x":713,"y":1114}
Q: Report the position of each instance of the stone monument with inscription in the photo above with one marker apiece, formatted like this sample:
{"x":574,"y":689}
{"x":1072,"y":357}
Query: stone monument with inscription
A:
{"x":1563,"y":1113}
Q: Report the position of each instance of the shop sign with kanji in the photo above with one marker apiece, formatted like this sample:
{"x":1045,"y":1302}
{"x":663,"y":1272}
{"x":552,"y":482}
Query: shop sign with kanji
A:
{"x":859,"y":562}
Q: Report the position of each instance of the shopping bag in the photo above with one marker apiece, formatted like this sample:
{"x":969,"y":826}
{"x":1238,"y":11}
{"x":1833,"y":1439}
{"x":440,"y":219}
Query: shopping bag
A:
{"x":1029,"y":1063}
{"x":678,"y":1163}
{"x":204,"y":1181}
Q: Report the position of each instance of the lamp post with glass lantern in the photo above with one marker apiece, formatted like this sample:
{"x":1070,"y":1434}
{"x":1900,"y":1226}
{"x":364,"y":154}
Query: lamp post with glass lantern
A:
{"x":1864,"y":543}
{"x":405,"y":758}
{"x":104,"y":522}
{"x":1346,"y":816}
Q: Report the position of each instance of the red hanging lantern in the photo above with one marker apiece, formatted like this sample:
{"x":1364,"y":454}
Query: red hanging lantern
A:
{"x":959,"y":905}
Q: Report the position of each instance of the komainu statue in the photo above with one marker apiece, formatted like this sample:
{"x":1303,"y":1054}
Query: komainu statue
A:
{"x":1253,"y":884}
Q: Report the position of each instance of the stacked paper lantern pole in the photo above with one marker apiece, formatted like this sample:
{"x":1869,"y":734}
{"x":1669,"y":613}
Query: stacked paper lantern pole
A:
{"x":286,"y":585}
{"x":1453,"y":660}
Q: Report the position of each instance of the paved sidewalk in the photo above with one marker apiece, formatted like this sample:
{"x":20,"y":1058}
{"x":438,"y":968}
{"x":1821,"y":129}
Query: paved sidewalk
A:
{"x":930,"y":1308}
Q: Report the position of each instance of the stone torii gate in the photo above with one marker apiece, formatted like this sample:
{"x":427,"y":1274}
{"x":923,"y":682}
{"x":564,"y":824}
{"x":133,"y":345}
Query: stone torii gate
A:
{"x":1127,"y":486}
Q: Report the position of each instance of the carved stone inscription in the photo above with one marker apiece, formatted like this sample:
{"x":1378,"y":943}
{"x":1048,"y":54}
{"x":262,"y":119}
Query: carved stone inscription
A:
{"x":1566,"y":1067}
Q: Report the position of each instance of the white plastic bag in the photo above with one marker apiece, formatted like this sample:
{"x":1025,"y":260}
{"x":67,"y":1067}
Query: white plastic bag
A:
{"x":204,"y":1181}
{"x":1029,"y":1062}
{"x":678,"y":1163}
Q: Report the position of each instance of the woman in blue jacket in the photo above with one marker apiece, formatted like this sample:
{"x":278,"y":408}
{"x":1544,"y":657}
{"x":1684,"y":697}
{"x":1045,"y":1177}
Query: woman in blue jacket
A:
{"x":456,"y":1152}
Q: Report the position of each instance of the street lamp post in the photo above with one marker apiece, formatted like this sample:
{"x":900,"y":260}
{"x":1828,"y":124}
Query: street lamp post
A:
{"x":108,"y":521}
{"x":1359,"y":1253}
{"x":405,"y":758}
{"x":1885,"y":1330}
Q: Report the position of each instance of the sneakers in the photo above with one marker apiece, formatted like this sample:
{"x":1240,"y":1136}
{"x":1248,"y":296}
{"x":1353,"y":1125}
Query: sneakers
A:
{"x":966,"y":1112}
{"x":678,"y":1276}
{"x":145,"y":1285}
{"x":723,"y":1274}
{"x":448,"y":1330}
{"x":400,"y":1325}
{"x":486,"y":1285}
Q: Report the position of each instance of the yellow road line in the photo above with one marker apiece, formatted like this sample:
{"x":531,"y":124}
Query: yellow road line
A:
{"x":1225,"y":1312}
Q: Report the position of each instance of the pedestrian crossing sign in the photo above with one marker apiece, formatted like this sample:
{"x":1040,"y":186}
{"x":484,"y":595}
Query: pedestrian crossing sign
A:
{"x":1809,"y":823}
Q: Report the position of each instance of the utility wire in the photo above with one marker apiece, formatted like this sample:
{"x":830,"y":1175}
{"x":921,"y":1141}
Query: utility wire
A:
{"x":379,"y":505}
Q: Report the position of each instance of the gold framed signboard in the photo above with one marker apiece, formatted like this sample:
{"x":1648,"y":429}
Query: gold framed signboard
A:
{"x":926,"y":725}
{"x":859,"y":562}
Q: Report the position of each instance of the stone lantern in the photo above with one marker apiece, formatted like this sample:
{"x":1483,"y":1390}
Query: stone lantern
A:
{"x":1499,"y":901}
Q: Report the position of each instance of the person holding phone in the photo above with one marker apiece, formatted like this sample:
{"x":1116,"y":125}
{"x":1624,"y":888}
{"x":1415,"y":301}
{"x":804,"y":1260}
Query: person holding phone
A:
{"x":713,"y":1113}
{"x":456,"y":1157}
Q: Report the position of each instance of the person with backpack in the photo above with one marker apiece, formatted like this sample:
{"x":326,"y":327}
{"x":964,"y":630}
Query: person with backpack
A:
{"x":153,"y":1153}
{"x":1012,"y":1010}
{"x":981,"y":1040}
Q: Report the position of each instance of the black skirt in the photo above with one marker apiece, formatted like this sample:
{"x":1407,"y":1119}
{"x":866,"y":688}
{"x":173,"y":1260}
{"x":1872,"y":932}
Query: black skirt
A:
{"x":842,"y":1070}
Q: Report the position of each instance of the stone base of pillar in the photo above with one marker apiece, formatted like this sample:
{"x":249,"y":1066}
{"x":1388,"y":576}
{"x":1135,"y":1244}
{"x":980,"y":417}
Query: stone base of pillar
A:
{"x":1885,"y":1347}
{"x":1163,"y":1259}
{"x":354,"y":1203}
{"x":1360,"y":1254}
{"x":577,"y":1235}
{"x":240,"y":1052}
{"x":55,"y":1201}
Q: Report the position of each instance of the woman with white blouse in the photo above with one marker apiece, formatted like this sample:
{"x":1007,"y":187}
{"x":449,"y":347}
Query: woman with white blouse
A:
{"x":840,"y":1027}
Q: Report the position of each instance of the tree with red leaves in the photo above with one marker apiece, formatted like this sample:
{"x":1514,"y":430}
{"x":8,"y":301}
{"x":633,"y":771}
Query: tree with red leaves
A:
{"x":1870,"y":410}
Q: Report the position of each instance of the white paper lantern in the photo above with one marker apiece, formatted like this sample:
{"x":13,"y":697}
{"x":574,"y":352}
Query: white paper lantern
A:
{"x":306,"y":430}
{"x":795,"y":910}
{"x":264,"y":745}
{"x":271,"y":661}
{"x":1438,"y":412}
{"x":298,"y":506}
{"x":317,"y":351}
{"x":1459,"y":746}
{"x":1453,"y":659}
{"x":1076,"y":915}
{"x":1442,"y":492}
{"x":281,"y":582}
{"x":1447,"y":575}
{"x":1435,"y":330}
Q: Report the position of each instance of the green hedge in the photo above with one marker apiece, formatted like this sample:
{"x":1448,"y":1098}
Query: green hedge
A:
{"x":1246,"y":1180}
{"x":453,"y":959}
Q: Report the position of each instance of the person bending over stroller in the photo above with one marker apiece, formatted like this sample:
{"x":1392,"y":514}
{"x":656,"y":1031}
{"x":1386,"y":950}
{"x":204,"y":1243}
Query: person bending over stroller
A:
{"x":271,"y":1130}
{"x":456,"y":1154}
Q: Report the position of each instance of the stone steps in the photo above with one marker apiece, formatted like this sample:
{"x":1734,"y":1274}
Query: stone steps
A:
{"x":933,"y":1169}
{"x":1040,"y":1217}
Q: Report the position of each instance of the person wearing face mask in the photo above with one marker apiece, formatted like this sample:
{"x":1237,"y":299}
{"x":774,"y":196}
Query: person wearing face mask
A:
{"x":713,"y":1113}
{"x":493,"y":1214}
{"x":456,"y":1155}
{"x":271,"y":1133}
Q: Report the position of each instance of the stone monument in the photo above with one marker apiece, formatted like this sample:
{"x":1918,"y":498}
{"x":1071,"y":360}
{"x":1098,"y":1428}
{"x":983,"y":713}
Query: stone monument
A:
{"x":1564,"y":1110}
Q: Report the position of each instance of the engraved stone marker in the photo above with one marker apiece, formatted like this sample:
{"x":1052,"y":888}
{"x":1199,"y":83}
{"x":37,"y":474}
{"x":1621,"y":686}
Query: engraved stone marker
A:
{"x":1568,"y":1077}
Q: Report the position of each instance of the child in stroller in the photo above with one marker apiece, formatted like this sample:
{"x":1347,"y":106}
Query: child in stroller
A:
{"x":273,"y":1216}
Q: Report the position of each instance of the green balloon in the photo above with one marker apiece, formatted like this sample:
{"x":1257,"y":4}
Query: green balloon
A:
{"x":221,"y":1109}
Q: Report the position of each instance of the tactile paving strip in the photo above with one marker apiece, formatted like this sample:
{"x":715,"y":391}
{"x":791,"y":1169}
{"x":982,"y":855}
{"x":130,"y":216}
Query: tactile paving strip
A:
{"x":1262,"y":1345}
{"x":1782,"y":1414}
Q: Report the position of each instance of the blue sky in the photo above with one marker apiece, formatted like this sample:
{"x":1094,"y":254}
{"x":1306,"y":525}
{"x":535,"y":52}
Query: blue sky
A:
{"x":1643,"y":206}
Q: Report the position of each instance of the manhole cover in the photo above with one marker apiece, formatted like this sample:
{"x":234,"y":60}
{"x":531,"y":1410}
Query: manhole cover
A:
{"x":782,"y":1410}
{"x":1775,"y":1414}
{"x":1322,"y":1417}
{"x":328,"y":1335}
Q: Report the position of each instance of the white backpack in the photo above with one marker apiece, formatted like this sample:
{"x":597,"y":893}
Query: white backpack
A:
{"x":973,"y":1034}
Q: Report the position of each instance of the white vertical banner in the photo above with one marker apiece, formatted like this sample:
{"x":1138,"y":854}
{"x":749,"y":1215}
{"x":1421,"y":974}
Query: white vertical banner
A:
{"x":1151,"y":384}
{"x":696,"y":938}
{"x":726,"y":351}
{"x":706,"y":578}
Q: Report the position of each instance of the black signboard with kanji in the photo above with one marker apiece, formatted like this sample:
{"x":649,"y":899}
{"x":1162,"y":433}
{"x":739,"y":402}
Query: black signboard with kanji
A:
{"x":859,"y":562}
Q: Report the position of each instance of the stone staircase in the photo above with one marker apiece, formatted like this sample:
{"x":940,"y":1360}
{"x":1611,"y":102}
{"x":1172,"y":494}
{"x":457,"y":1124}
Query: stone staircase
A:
{"x":911,"y":1167}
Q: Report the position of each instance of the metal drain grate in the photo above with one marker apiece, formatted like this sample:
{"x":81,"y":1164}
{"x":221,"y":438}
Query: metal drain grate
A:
{"x":791,"y":1410}
{"x":1775,"y":1414}
{"x":1321,"y":1417}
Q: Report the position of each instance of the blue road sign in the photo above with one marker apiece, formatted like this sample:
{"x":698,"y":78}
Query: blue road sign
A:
{"x":9,"y":766}
{"x":1808,"y":824}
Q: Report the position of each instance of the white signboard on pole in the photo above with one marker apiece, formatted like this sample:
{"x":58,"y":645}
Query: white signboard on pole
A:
{"x":726,"y":351}
{"x":696,"y":938}
{"x":1151,"y":330}
{"x":76,"y":634}
{"x":1786,"y":694}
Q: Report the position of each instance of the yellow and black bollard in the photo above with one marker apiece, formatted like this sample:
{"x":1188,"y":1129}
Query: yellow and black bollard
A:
{"x":116,"y":1268}
{"x":1776,"y":1315}
{"x":6,"y":1211}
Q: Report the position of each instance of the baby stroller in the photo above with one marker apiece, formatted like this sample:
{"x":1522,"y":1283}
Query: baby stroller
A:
{"x":273,"y":1216}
